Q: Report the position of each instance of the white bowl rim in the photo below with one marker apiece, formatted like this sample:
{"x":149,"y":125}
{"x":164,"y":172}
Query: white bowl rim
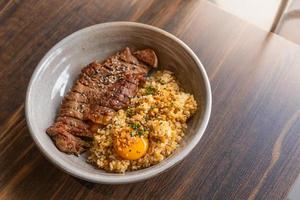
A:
{"x":98,"y":178}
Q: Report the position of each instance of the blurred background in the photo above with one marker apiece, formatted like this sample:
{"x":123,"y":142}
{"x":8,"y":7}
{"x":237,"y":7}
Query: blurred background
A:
{"x":279,"y":16}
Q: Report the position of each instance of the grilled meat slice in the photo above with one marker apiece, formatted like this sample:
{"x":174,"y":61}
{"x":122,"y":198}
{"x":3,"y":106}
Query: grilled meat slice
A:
{"x":65,"y":141}
{"x":75,"y":126}
{"x":100,"y":114}
{"x":75,"y":96}
{"x":101,"y":90}
{"x":147,"y":56}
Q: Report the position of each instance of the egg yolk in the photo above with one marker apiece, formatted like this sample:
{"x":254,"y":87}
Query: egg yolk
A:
{"x":135,"y":148}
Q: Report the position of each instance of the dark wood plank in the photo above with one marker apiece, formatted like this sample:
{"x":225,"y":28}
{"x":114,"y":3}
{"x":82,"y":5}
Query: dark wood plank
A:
{"x":251,"y":148}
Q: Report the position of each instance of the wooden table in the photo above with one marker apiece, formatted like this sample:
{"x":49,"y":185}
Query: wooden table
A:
{"x":251,"y":149}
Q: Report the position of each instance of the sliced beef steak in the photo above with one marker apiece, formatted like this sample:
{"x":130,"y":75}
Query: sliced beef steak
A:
{"x":101,"y":90}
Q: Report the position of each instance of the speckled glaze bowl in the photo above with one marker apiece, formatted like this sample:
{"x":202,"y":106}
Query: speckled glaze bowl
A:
{"x":57,"y":71}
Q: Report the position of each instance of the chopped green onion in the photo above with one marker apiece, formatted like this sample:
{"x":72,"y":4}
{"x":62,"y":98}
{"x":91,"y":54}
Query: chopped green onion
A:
{"x":132,"y":133}
{"x":150,"y":90}
{"x":130,"y":112}
{"x":135,"y":125}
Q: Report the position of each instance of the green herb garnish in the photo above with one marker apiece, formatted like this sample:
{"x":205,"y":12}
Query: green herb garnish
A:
{"x":137,"y":129}
{"x":135,"y":125}
{"x":140,"y":132}
{"x":150,"y":90}
{"x":132,"y":133}
{"x":129,"y":112}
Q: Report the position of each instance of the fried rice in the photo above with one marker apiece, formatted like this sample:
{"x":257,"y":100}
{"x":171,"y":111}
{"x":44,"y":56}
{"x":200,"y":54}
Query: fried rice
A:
{"x":158,"y":114}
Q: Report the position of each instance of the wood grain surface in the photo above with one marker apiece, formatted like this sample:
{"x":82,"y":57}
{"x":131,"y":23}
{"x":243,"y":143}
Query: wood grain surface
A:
{"x":251,"y":149}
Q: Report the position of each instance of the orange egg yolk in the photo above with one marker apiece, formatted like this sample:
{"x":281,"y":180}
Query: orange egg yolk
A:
{"x":135,"y":148}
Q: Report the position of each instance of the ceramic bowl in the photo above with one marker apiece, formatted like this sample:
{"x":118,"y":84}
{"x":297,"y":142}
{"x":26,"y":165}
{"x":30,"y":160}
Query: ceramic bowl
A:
{"x":59,"y":68}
